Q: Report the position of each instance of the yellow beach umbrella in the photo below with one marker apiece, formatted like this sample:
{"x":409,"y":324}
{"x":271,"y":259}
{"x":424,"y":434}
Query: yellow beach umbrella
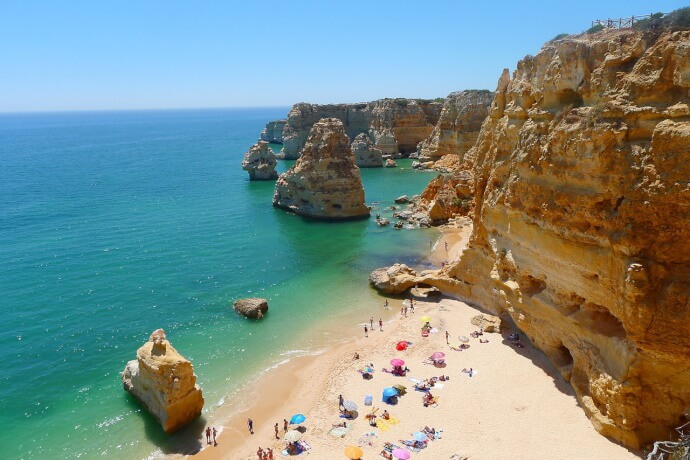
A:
{"x":425,"y":319}
{"x":353,"y":452}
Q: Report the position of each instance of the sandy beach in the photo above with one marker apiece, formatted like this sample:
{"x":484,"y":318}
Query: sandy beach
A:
{"x":515,"y":405}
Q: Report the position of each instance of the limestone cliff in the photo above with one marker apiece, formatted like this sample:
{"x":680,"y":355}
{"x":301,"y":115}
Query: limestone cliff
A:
{"x":366,"y":155}
{"x":458,"y":126}
{"x":394,"y":125}
{"x":260,"y":162}
{"x":273,"y":132}
{"x":324,"y":182}
{"x":164,"y":382}
{"x":581,"y":222}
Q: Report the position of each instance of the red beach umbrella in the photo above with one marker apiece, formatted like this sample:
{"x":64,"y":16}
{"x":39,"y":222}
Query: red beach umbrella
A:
{"x":402,"y":345}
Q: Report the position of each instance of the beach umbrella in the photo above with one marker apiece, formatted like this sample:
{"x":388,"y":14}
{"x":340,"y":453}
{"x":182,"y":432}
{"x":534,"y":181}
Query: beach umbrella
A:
{"x":390,"y":391}
{"x":425,"y":319}
{"x":401,"y":454}
{"x":297,"y":419}
{"x":438,"y":355}
{"x":293,"y":436}
{"x":400,"y":346}
{"x":419,"y":436}
{"x":397,"y":362}
{"x":350,"y":406}
{"x":353,"y":452}
{"x":368,"y":369}
{"x":463,"y":339}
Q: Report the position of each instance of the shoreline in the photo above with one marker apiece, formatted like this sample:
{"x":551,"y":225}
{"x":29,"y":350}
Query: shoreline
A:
{"x":310,"y":385}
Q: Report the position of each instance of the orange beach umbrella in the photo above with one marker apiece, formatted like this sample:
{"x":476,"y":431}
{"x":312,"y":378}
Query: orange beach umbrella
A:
{"x":353,"y":452}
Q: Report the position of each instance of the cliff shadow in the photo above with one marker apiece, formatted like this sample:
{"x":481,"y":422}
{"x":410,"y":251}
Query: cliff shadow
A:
{"x":539,"y":359}
{"x":186,"y":441}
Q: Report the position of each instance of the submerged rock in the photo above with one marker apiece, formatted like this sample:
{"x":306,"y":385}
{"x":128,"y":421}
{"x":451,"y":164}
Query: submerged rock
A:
{"x":164,"y":383}
{"x":390,"y":163}
{"x":260,"y":162}
{"x":324,"y":183}
{"x":253,"y":307}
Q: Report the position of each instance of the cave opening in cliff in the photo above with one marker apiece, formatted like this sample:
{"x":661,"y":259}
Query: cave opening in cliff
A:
{"x":601,"y":320}
{"x":563,"y":358}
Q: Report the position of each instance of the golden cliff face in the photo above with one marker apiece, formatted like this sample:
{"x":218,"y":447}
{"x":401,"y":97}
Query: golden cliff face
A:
{"x":582,"y":222}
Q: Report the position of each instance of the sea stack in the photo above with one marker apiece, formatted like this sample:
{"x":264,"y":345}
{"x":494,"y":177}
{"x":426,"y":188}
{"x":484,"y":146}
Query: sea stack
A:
{"x":324,"y":183}
{"x":260,"y":162}
{"x":366,"y":155}
{"x":164,"y":383}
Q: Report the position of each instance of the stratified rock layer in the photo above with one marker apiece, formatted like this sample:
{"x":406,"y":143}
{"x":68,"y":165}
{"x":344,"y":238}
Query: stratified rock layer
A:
{"x":394,"y":125}
{"x":324,"y":183}
{"x":260,"y":162}
{"x":582,"y":222}
{"x":366,"y":155}
{"x":164,"y":382}
{"x":458,"y":126}
{"x":273,"y":132}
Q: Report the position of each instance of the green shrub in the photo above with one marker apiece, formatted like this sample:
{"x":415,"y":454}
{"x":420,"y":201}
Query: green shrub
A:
{"x":558,"y":37}
{"x":595,"y":29}
{"x":675,"y":20}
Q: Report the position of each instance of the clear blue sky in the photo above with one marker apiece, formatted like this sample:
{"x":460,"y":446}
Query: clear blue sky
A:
{"x":85,"y":55}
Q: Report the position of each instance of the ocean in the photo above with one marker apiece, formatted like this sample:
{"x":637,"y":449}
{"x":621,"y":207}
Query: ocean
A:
{"x":114,"y":224}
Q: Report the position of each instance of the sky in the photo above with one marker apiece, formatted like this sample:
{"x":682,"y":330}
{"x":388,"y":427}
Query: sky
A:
{"x":119,"y":55}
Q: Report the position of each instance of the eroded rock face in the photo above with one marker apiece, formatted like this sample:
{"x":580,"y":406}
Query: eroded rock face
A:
{"x":458,"y":126}
{"x":447,"y":197}
{"x":366,"y":155}
{"x":324,"y":183}
{"x":164,"y":383}
{"x":273,"y":132}
{"x":253,"y":307}
{"x":260,"y":162}
{"x":582,"y":222}
{"x":394,"y":125}
{"x":395,"y":279}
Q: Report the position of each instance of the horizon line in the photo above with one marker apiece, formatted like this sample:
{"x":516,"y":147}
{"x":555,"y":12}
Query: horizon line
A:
{"x":160,"y":109}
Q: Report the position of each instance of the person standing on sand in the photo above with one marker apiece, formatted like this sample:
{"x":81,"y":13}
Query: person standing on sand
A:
{"x":405,"y":311}
{"x":371,"y":323}
{"x":446,"y":246}
{"x":215,"y":432}
{"x":385,"y":304}
{"x":447,"y":337}
{"x":275,"y":428}
{"x":380,"y":325}
{"x":208,"y":435}
{"x":285,"y":425}
{"x":340,"y":402}
{"x":412,"y":306}
{"x":270,"y":454}
{"x":366,"y":331}
{"x":260,"y":453}
{"x":250,"y":424}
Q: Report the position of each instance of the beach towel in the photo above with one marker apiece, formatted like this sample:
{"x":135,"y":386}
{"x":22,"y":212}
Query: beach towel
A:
{"x":339,"y":431}
{"x":367,"y":439}
{"x":305,"y":445}
{"x":385,"y":425}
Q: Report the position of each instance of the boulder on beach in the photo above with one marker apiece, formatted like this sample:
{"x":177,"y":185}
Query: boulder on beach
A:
{"x":395,"y":279}
{"x":487,"y":323}
{"x":163,"y":381}
{"x":253,"y":307}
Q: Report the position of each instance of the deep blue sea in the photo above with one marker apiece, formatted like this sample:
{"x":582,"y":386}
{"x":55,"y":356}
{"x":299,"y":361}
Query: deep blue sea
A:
{"x":113,"y":224}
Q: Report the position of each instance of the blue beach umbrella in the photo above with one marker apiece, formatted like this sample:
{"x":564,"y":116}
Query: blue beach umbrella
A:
{"x":297,"y":419}
{"x":389,"y":393}
{"x":419,"y":436}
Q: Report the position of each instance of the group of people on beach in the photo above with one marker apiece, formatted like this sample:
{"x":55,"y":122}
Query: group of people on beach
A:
{"x":403,"y":309}
{"x":211,"y":432}
{"x":371,"y":325}
{"x":265,"y":454}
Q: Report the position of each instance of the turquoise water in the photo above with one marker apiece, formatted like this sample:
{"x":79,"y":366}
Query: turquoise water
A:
{"x":114,"y":224}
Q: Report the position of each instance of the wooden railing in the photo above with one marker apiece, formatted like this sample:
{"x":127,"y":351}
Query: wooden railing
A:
{"x":622,"y":23}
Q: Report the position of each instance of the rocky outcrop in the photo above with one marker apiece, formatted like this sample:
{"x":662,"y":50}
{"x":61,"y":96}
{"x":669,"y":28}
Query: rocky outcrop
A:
{"x":324,"y":183}
{"x":394,"y":125}
{"x":260,"y":162}
{"x":395,"y":279}
{"x":487,"y":323}
{"x":253,"y":307}
{"x":389,"y":163}
{"x":581,"y":222}
{"x":446,"y":197}
{"x":458,"y":126}
{"x":366,"y":155}
{"x":273,"y":132}
{"x":164,"y":383}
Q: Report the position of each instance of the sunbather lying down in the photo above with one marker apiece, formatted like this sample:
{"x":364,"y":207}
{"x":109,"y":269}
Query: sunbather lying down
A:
{"x":344,"y":424}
